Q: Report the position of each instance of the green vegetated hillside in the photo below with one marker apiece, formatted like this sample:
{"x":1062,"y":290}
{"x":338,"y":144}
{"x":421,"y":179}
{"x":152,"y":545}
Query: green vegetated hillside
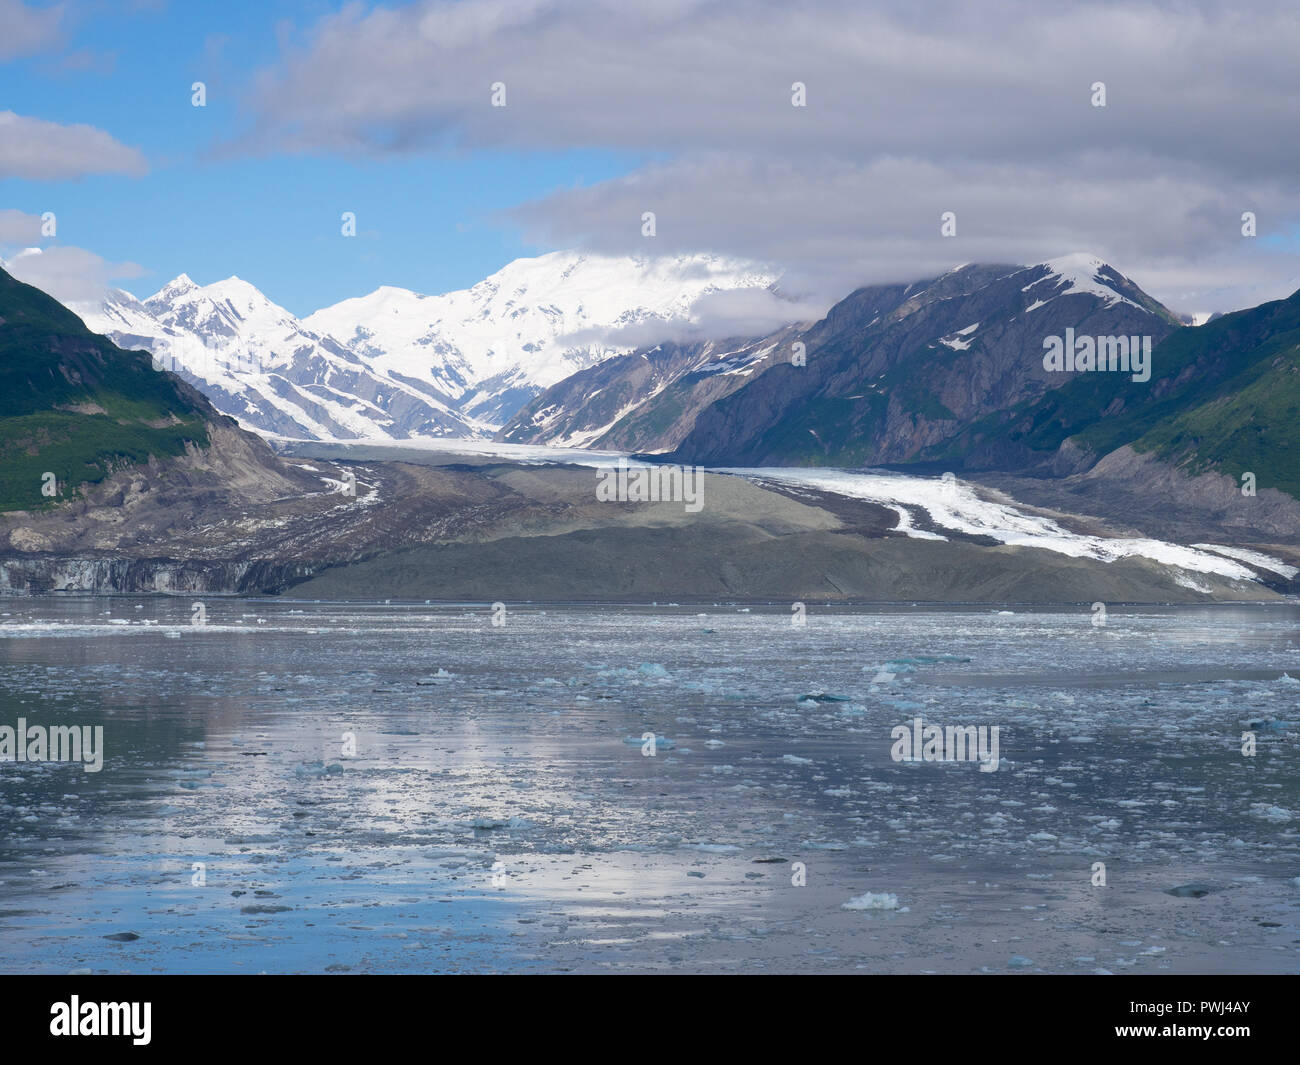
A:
{"x":75,"y":405}
{"x":1223,"y":397}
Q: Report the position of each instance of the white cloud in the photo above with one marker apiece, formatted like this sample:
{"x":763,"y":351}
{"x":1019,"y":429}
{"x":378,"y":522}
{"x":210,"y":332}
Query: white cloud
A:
{"x":19,"y":228}
{"x":68,"y":273}
{"x":28,"y":29}
{"x":38,"y":150}
{"x":744,"y":312}
{"x":999,"y":81}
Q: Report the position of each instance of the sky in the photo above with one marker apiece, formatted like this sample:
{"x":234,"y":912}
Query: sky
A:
{"x":826,"y":139}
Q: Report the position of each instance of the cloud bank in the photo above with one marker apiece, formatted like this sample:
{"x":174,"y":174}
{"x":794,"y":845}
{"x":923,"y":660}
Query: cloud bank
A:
{"x":983,"y":110}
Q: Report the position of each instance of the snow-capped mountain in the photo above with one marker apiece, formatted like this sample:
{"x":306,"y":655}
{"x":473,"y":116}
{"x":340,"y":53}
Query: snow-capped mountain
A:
{"x":396,"y":364}
{"x":256,"y":362}
{"x":535,"y":322}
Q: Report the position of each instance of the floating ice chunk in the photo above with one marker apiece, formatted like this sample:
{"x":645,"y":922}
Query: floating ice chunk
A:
{"x":1270,"y":725}
{"x":794,"y":759}
{"x":874,"y":901}
{"x":1019,"y":961}
{"x":1270,"y":813}
{"x":652,"y":669}
{"x":317,"y":769}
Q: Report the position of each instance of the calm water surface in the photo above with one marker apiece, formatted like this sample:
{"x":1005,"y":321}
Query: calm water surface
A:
{"x":388,"y":788}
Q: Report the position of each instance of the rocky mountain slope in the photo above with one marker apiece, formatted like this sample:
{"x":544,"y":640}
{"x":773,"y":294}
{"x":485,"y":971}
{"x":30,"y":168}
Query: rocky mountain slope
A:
{"x":892,"y":374}
{"x":646,"y":401}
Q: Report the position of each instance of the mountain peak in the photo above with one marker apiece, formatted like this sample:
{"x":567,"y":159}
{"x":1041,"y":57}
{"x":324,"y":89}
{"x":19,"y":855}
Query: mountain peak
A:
{"x":1074,"y":262}
{"x":234,"y":286}
{"x":1082,"y":267}
{"x":1082,"y":273}
{"x":177,"y":286}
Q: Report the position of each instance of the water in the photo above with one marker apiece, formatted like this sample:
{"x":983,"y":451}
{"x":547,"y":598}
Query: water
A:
{"x":294,"y":787}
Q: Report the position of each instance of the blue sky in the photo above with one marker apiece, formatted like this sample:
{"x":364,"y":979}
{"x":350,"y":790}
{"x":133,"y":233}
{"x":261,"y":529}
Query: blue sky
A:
{"x":428,"y":221}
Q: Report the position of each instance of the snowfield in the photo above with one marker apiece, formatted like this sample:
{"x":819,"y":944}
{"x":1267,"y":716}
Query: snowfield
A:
{"x":954,"y":505}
